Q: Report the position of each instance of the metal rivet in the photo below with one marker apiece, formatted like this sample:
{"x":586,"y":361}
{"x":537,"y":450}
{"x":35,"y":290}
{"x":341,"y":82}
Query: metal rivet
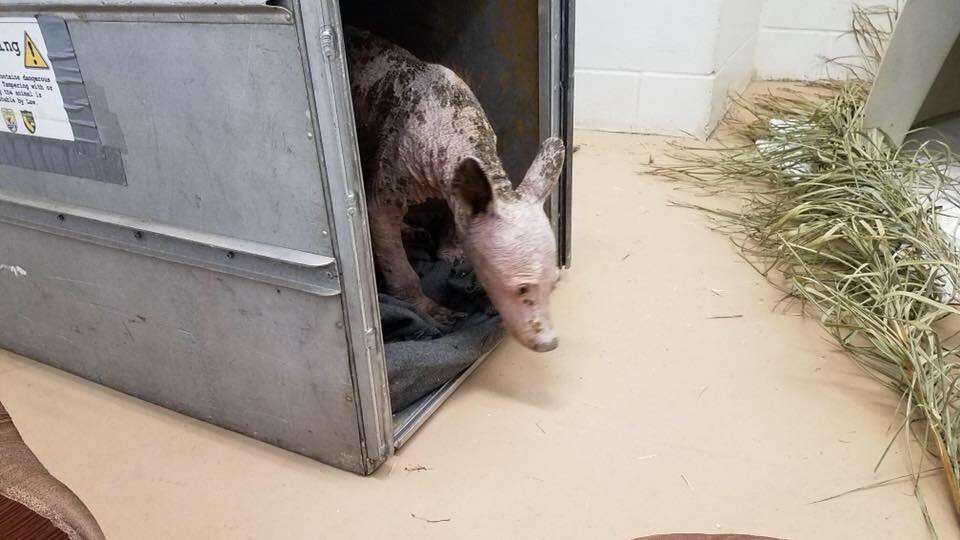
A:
{"x":329,"y":275}
{"x":61,"y":217}
{"x":231,"y":254}
{"x":350,"y":398}
{"x":138,"y":235}
{"x":310,"y":135}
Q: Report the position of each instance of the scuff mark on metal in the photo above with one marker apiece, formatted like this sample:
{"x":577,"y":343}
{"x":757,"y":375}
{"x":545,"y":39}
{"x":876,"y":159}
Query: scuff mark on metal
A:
{"x":17,"y":271}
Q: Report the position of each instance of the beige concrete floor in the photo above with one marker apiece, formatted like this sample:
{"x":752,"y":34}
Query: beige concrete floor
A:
{"x":651,"y":417}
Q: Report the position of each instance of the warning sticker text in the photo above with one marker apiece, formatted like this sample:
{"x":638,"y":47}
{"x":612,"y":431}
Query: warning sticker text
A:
{"x":30,"y":99}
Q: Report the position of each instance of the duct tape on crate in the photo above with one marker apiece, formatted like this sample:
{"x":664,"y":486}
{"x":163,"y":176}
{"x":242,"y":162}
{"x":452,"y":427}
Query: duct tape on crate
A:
{"x":46,"y":117}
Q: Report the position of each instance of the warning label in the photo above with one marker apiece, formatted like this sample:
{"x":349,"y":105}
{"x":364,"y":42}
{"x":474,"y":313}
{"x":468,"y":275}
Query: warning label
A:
{"x":31,"y":54}
{"x":30,"y":100}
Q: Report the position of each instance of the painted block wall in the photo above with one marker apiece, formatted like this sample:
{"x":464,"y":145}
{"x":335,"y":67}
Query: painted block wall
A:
{"x":670,"y":66}
{"x":795,"y":37}
{"x":662,"y":66}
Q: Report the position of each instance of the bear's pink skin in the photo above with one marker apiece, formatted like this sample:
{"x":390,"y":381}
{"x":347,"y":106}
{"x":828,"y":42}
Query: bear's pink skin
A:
{"x":424,"y":135}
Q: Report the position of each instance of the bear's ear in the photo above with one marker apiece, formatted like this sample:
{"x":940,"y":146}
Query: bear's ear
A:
{"x":471,"y":187}
{"x":544,"y":171}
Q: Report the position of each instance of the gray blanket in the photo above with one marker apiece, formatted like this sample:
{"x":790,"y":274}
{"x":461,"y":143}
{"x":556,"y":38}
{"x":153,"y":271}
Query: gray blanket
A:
{"x":421,"y":356}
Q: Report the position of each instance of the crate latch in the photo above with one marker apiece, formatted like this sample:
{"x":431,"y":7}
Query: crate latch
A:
{"x":328,"y":42}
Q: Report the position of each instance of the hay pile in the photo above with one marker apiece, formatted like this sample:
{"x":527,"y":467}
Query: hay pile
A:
{"x":850,"y":225}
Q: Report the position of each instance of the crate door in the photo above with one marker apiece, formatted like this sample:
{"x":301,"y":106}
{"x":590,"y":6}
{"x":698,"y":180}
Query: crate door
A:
{"x":332,"y":107}
{"x":556,"y":108}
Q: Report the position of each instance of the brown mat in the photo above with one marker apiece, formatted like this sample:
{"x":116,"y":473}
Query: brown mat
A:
{"x":17,"y":522}
{"x":689,"y":536}
{"x":30,"y":495}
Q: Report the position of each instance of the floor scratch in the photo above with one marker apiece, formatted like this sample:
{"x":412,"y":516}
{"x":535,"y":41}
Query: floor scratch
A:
{"x":444,"y":520}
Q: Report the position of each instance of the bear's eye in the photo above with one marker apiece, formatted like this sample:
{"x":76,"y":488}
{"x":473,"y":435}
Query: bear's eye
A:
{"x":523,"y":289}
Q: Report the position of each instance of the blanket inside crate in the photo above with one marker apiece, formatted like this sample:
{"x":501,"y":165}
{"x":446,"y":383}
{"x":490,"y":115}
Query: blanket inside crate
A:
{"x":421,"y":356}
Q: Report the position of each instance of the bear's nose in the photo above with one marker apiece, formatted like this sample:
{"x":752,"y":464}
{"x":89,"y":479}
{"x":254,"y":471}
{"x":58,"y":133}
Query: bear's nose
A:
{"x":546,"y":345}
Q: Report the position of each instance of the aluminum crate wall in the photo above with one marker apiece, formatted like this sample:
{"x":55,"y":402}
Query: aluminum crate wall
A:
{"x":205,"y":279}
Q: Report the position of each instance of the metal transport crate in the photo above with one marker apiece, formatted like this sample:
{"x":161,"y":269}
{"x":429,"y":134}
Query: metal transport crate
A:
{"x":182,"y":214}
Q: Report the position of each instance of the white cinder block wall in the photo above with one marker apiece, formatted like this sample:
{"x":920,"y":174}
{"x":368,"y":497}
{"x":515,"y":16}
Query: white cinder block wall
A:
{"x":796,"y":37}
{"x":670,"y":66}
{"x":661,"y":66}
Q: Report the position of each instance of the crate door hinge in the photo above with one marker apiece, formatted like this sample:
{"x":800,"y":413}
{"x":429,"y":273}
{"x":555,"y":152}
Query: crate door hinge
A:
{"x":328,"y":42}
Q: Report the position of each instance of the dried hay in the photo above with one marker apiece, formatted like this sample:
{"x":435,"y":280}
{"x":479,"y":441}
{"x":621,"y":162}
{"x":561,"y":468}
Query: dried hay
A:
{"x":851,"y":226}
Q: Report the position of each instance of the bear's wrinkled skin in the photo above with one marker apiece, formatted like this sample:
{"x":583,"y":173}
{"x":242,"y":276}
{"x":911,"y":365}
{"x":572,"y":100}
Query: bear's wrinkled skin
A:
{"x":423,"y":135}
